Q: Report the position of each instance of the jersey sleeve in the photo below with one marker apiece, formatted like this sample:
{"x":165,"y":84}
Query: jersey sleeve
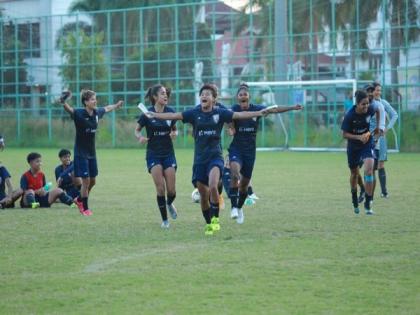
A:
{"x":24,"y":182}
{"x":391,"y":112}
{"x":188,"y":116}
{"x":4,"y":173}
{"x":101,"y":112}
{"x":345,"y":125}
{"x":142,"y":121}
{"x":226,"y":116}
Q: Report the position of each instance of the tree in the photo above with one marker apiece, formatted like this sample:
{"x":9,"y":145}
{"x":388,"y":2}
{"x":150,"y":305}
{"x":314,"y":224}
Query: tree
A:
{"x":83,"y":61}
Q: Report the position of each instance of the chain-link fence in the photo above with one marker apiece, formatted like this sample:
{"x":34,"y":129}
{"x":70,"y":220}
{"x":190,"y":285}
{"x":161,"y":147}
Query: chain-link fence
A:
{"x":119,"y":53}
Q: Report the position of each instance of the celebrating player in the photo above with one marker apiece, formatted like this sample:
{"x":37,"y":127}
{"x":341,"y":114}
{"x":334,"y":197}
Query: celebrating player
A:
{"x":207,"y":121}
{"x":160,"y":156}
{"x":242,"y":150}
{"x":381,"y":147}
{"x":360,"y":146}
{"x":86,"y":123}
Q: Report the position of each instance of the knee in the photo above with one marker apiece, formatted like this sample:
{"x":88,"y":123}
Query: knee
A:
{"x":77,"y":181}
{"x":29,"y":191}
{"x":171,"y":192}
{"x":160,"y":190}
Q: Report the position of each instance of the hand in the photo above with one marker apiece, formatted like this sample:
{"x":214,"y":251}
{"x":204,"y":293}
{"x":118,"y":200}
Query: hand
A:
{"x":143,"y":140}
{"x":298,"y":107}
{"x":231,"y":131}
{"x":150,"y":115}
{"x":41,"y":192}
{"x":59,"y":181}
{"x":364,"y":137}
{"x":173,"y":134}
{"x":264,"y":112}
{"x":119,"y":104}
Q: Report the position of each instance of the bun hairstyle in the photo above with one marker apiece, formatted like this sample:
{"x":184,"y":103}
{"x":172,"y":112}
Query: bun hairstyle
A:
{"x":153,"y":91}
{"x":85,"y":95}
{"x":243,"y":87}
{"x":211,"y":87}
{"x":360,"y":95}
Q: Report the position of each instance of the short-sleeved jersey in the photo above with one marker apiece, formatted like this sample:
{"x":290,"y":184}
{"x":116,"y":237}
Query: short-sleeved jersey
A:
{"x":86,"y":126}
{"x":65,"y":174}
{"x":207,"y":128}
{"x":357,"y":124}
{"x":158,"y":130}
{"x":4,"y":174}
{"x":376,"y":105}
{"x":245,"y":136}
{"x":29,"y":181}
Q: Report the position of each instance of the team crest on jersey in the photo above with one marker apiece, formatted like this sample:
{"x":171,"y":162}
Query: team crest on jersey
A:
{"x":97,"y":119}
{"x":368,"y":119}
{"x":168,"y":122}
{"x":216,"y":118}
{"x":254,"y":118}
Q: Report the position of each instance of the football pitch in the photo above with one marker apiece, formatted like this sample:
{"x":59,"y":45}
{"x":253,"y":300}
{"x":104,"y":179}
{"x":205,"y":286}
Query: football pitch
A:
{"x":301,"y":250}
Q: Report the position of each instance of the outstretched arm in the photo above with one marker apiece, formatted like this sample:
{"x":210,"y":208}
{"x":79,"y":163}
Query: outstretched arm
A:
{"x":282,"y":109}
{"x":165,"y":116}
{"x":110,"y":108}
{"x":247,"y":115}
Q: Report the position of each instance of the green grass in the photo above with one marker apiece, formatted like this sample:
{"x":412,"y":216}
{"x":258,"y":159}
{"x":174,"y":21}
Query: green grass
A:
{"x":301,"y":249}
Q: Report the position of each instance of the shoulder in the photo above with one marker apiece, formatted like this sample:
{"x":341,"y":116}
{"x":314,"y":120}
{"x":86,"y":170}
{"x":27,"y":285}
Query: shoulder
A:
{"x":256,"y":107}
{"x":58,"y":168}
{"x":236,"y":108}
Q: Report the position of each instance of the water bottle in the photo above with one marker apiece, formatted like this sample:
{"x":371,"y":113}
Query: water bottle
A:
{"x":48,"y":186}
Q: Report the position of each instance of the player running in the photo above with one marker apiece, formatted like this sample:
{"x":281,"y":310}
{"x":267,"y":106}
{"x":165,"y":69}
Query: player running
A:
{"x":360,"y":146}
{"x":160,"y":155}
{"x":242,"y":150}
{"x":381,"y":147}
{"x":207,"y":121}
{"x":86,"y":123}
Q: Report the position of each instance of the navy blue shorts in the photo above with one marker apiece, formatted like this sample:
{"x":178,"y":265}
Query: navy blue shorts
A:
{"x":246,"y":161}
{"x":43,"y":201}
{"x":201,"y":171}
{"x":166,"y":162}
{"x":84,"y":167}
{"x":356,"y":156}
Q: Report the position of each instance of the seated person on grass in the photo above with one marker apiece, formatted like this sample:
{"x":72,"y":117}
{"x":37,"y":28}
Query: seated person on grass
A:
{"x":36,"y":192}
{"x":64,"y":175}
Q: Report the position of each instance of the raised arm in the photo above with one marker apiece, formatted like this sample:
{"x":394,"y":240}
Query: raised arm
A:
{"x":110,"y":108}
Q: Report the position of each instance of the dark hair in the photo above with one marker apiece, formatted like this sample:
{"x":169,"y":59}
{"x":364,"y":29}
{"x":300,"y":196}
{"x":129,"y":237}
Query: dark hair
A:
{"x":63,"y":152}
{"x":154,"y":90}
{"x":32,"y":156}
{"x":359,"y":95}
{"x":375,"y":84}
{"x":368,"y":87}
{"x":85,"y":95}
{"x":242,"y":87}
{"x":211,"y":87}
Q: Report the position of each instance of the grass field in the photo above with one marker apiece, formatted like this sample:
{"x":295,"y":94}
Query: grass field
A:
{"x":300,"y":251}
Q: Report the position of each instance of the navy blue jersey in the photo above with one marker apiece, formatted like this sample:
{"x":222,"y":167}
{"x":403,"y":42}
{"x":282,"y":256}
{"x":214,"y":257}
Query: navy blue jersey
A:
{"x":215,"y":105}
{"x":207,"y":129}
{"x":65,"y":175}
{"x":245,"y":136}
{"x":158,"y":130}
{"x":357,"y":124}
{"x":4,"y":174}
{"x":86,"y":127}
